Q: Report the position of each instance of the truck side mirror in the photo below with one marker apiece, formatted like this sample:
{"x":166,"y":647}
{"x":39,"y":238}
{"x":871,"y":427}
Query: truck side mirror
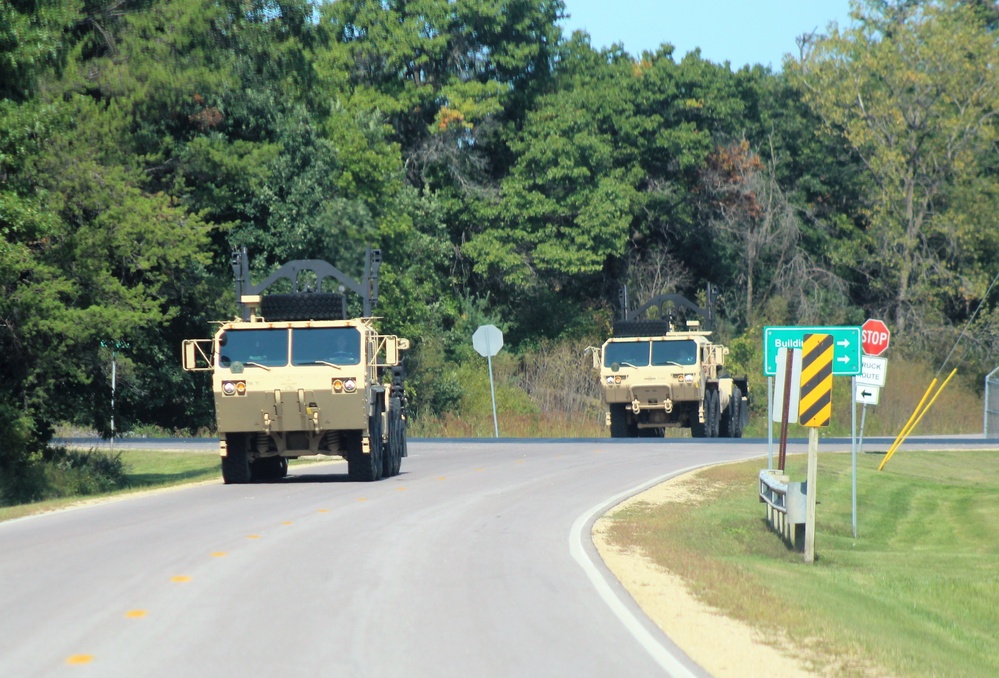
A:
{"x":595,"y":355}
{"x":197,"y":355}
{"x":391,"y":351}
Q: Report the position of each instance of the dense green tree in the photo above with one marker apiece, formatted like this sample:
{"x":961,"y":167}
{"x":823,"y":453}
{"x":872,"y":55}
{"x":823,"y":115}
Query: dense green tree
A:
{"x":921,"y":116}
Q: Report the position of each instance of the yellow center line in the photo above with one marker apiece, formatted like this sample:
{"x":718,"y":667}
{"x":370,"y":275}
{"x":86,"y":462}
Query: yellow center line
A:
{"x":401,"y":489}
{"x":441,"y":477}
{"x":219,"y":554}
{"x":323,"y":511}
{"x":287,"y":522}
{"x":180,"y":579}
{"x":253,"y":536}
{"x":80,"y":659}
{"x":362,"y":499}
{"x":135,"y":614}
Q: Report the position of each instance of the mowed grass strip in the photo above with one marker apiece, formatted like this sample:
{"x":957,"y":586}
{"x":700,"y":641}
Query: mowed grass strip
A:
{"x":146,"y":470}
{"x":915,"y":594}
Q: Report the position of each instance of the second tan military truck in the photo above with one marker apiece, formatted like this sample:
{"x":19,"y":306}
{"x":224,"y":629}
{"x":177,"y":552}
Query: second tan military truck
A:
{"x":657,"y":374}
{"x":292,"y":375}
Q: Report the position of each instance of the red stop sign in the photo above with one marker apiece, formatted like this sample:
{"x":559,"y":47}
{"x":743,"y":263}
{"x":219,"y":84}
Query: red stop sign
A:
{"x":874,"y":337}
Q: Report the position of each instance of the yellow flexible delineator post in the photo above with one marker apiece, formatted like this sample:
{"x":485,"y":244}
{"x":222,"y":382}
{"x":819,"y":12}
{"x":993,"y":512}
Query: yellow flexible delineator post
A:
{"x":921,"y":413}
{"x":908,"y":425}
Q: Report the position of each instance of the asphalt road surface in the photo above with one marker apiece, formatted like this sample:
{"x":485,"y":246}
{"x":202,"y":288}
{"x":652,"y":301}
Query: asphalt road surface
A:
{"x":475,"y":561}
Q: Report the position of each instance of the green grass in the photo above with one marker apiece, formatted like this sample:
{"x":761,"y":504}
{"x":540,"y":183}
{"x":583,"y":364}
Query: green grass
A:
{"x":915,"y":593}
{"x":145,"y":470}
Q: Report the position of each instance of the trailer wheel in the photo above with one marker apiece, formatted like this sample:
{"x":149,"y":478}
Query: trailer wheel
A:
{"x":236,"y":463}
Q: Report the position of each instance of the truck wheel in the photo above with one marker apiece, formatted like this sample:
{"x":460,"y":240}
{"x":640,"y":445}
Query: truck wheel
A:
{"x":368,"y":467}
{"x":236,"y":463}
{"x":711,"y":413}
{"x":697,"y":429}
{"x":619,"y":420}
{"x":392,"y":459}
{"x":303,"y":306}
{"x":641,"y":328}
{"x":731,"y":423}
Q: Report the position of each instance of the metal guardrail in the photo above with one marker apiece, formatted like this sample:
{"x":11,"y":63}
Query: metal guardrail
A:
{"x":786,"y":506}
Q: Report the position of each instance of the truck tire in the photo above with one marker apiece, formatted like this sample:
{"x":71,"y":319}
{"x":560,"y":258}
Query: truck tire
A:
{"x":731,"y":422}
{"x":236,"y":463}
{"x":697,"y":429}
{"x":392,"y":460}
{"x":619,"y":421}
{"x":368,"y":467}
{"x":303,"y":306}
{"x":641,"y":328}
{"x":712,"y":414}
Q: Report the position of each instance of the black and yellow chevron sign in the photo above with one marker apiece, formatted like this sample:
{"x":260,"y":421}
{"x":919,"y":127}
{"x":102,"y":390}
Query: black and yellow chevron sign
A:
{"x":815,"y":404}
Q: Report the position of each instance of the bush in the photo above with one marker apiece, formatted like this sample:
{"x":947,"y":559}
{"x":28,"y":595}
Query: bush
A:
{"x":63,"y":473}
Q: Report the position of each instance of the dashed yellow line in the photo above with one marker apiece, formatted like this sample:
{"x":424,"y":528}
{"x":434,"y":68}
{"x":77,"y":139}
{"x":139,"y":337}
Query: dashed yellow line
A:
{"x":219,"y":554}
{"x":362,"y":499}
{"x":135,"y":614}
{"x":287,"y":522}
{"x":180,"y":579}
{"x":323,"y":511}
{"x":79,"y":659}
{"x":253,"y":536}
{"x":401,"y":489}
{"x":441,"y":477}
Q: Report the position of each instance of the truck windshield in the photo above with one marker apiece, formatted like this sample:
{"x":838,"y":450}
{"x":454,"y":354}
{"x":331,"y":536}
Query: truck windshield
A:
{"x":319,"y":345}
{"x":635,"y":353}
{"x":254,"y":347}
{"x":676,"y":352}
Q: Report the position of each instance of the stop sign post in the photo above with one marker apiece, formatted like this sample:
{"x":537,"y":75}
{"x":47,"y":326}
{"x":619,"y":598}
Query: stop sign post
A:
{"x":487,"y":341}
{"x":874,"y":337}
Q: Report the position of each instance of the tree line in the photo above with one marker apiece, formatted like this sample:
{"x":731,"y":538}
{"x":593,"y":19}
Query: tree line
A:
{"x":509,"y":172}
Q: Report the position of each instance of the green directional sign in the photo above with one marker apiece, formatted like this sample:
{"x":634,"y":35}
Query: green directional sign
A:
{"x":846,"y":346}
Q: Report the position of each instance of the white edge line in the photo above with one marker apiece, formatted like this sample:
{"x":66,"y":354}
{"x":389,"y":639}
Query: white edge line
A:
{"x":670,"y":662}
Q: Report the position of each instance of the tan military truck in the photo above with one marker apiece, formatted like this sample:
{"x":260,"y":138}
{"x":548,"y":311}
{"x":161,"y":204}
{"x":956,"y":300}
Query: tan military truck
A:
{"x":655,"y":375}
{"x":293,"y":376}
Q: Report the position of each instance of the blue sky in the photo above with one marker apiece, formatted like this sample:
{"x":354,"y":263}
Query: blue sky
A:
{"x":738,"y":31}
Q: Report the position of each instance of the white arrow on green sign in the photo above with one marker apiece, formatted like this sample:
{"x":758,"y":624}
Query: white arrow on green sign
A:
{"x":846,"y":346}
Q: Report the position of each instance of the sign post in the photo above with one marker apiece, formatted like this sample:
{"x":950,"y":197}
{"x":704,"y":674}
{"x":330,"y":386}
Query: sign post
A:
{"x":815,"y":411}
{"x":487,"y":341}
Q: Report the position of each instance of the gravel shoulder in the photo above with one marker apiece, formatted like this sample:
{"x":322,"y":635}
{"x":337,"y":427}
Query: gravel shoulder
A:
{"x":722,"y":646}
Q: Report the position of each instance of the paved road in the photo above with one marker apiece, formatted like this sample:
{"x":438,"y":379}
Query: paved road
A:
{"x":476,"y":561}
